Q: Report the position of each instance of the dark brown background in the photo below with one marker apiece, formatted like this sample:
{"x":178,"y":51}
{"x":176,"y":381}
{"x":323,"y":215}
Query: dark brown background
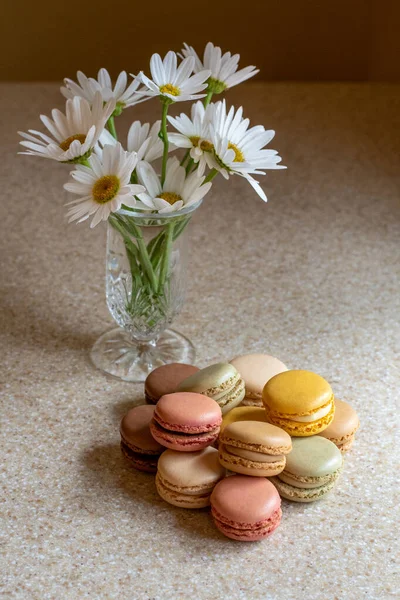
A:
{"x":288,"y":39}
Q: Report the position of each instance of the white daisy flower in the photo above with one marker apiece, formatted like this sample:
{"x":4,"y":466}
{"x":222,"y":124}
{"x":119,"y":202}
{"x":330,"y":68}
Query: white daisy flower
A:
{"x":238,"y":149}
{"x":223,"y":67}
{"x":74,"y":135}
{"x":171,"y":82}
{"x":177,"y":192}
{"x":194,"y":133}
{"x":123,"y":94}
{"x":144,"y":140}
{"x":103,"y":187}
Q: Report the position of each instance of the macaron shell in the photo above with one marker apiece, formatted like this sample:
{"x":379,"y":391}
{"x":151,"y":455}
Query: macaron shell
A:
{"x":141,"y":462}
{"x":209,"y":378}
{"x":256,"y":370}
{"x":165,"y":379}
{"x":191,"y":473}
{"x":252,"y":400}
{"x":245,"y":466}
{"x":297,"y":429}
{"x":135,"y":430}
{"x":296,"y":393}
{"x":188,"y":412}
{"x":253,"y":534}
{"x":243,"y":413}
{"x":182,"y":442}
{"x":257,"y":436}
{"x":244,"y":502}
{"x":313,"y":457}
{"x":296,"y":494}
{"x":308,"y":483}
{"x":179,"y":499}
{"x":343,"y":427}
{"x":232,"y":398}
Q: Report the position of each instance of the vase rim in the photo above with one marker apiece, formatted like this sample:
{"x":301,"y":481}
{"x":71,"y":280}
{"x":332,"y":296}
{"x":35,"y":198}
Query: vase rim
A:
{"x":171,"y":215}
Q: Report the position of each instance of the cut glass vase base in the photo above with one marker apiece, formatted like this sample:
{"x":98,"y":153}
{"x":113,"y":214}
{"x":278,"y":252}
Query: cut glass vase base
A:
{"x":117,"y":354}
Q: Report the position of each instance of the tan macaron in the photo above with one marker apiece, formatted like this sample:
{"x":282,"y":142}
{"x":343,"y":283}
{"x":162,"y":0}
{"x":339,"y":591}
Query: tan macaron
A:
{"x":186,"y":479}
{"x":343,"y":428}
{"x":254,"y":448}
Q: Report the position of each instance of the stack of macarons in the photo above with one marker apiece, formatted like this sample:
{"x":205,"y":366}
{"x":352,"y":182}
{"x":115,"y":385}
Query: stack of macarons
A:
{"x":239,"y":436}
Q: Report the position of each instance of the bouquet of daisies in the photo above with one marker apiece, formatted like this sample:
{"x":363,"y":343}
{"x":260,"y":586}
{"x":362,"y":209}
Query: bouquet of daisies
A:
{"x":117,"y":184}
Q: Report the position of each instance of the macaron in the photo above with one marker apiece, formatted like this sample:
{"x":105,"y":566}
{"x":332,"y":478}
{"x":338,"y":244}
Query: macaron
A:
{"x":343,"y":427}
{"x":256,"y":370}
{"x":137,"y":443}
{"x":300,"y":402}
{"x":254,"y":448}
{"x":186,"y":479}
{"x":246,"y":508}
{"x":244,"y":413}
{"x":186,"y":421}
{"x":165,"y":379}
{"x":221,"y":382}
{"x":311,"y":471}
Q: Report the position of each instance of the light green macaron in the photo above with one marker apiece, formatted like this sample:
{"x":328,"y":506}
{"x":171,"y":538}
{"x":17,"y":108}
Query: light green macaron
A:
{"x":221,"y":382}
{"x":311,"y":471}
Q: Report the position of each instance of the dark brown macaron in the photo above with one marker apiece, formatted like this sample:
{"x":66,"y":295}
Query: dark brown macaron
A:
{"x":165,"y":379}
{"x":137,"y":443}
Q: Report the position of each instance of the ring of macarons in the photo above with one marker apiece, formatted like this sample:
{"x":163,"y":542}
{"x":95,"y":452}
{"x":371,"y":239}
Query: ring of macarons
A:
{"x":238,"y":437}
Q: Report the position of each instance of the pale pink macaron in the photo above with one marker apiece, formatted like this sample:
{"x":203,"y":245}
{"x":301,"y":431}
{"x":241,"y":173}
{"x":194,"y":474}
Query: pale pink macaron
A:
{"x":186,"y":421}
{"x":246,"y":508}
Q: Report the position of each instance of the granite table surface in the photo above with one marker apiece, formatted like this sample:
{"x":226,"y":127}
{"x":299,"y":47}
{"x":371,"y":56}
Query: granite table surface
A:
{"x":311,"y":277}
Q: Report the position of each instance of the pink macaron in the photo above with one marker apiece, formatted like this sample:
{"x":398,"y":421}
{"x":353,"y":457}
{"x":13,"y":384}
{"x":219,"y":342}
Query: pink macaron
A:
{"x":246,"y":508}
{"x":186,"y":421}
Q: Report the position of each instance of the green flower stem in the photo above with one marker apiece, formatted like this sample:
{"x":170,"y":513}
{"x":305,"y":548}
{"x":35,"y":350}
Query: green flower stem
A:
{"x":83,"y":161}
{"x":164,"y":135}
{"x":167,"y":252}
{"x":207,"y":99}
{"x":189,"y":166}
{"x":141,"y":254}
{"x":211,"y":175}
{"x":144,"y":257}
{"x":111,"y":127}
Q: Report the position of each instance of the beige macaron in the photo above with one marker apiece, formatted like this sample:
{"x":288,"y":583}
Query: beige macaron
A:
{"x":343,"y":428}
{"x":186,"y":479}
{"x":254,"y":448}
{"x":256,"y":370}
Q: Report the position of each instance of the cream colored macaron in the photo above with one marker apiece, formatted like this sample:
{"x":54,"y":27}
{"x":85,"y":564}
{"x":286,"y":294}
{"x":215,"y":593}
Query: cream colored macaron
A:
{"x":256,"y":370}
{"x":186,"y":479}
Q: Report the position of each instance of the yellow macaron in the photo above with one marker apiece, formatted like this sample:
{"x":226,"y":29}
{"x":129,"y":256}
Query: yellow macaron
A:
{"x":300,"y":402}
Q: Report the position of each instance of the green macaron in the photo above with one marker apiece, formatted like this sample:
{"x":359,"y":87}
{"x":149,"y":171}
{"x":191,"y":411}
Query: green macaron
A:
{"x":221,"y":382}
{"x":311,"y":471}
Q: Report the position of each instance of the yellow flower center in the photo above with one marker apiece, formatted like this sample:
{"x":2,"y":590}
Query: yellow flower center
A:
{"x":239,"y":156}
{"x":66,"y":143}
{"x":105,"y":189}
{"x":195,"y":140}
{"x":168,"y":88}
{"x":170,"y":197}
{"x":204,"y":144}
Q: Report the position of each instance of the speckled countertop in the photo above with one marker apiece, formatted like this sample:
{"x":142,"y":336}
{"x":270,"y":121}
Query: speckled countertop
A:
{"x":312,"y":277}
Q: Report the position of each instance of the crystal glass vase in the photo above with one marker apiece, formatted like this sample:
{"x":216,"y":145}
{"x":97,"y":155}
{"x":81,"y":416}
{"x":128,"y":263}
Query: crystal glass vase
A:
{"x":145,"y":288}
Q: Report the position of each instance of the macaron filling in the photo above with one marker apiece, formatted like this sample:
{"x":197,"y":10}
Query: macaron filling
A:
{"x":308,"y":482}
{"x":183,"y":428}
{"x":266,"y":525}
{"x":231,"y":396}
{"x":183,"y":435}
{"x":315,"y":416}
{"x":251,"y":455}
